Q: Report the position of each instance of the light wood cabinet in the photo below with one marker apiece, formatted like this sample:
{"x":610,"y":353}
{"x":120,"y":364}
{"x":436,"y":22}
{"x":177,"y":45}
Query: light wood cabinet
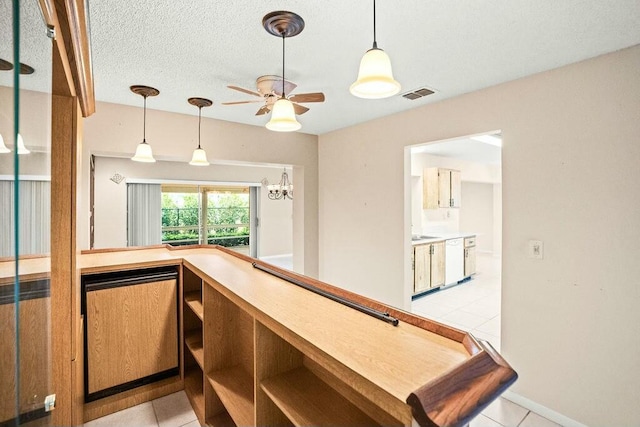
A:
{"x":428,"y":266}
{"x":469,"y":256}
{"x":441,"y":188}
{"x":131,"y":330}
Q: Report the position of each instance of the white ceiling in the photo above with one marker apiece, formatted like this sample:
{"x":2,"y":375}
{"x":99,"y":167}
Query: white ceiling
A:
{"x":463,"y":149}
{"x":197,"y":48}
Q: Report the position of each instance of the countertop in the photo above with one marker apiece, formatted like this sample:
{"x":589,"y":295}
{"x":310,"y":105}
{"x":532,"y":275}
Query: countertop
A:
{"x":438,"y":237}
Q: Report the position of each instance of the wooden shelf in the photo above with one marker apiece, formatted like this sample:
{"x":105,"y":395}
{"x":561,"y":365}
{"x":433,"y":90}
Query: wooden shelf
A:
{"x":307,"y":400}
{"x":234,"y":387}
{"x":193,"y":390}
{"x":222,"y":419}
{"x":193,"y":300}
{"x":193,"y":340}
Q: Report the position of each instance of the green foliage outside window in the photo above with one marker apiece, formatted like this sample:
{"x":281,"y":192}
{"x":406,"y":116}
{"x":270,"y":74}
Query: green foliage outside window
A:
{"x":227,"y":219}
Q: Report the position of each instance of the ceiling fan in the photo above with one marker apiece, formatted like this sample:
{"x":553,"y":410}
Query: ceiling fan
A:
{"x":269,"y":88}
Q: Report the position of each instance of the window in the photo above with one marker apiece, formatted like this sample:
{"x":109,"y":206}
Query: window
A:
{"x":193,"y":215}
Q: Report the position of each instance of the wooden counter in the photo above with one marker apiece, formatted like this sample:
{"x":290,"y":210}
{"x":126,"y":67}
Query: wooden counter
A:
{"x":277,"y":339}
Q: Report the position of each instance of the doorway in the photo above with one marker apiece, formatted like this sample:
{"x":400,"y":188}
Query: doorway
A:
{"x":474,"y":303}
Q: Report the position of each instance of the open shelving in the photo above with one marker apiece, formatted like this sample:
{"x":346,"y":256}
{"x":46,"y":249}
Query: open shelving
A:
{"x":229,"y":360}
{"x":193,"y":351}
{"x":304,"y":399}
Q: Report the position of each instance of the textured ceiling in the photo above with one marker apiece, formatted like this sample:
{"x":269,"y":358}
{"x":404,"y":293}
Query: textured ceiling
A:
{"x":197,"y":48}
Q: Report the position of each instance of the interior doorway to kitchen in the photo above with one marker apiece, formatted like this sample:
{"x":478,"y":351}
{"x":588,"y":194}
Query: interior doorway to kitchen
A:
{"x":470,"y":212}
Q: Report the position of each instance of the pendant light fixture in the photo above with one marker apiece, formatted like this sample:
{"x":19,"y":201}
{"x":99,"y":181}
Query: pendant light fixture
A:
{"x":199,"y":157}
{"x":143,"y":151}
{"x":21,"y":148}
{"x":283,"y":24}
{"x":375,"y":77}
{"x":3,"y":148}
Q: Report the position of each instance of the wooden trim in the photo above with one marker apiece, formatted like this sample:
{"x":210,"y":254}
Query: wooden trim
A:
{"x":72,"y":24}
{"x":62,"y":256}
{"x":63,"y":78}
{"x":457,"y":397}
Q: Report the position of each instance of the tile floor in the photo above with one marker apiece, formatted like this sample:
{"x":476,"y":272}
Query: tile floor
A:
{"x":173,"y":410}
{"x":473,"y":306}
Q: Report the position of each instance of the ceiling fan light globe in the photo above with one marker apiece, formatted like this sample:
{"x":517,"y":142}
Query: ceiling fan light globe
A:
{"x":283,"y":117}
{"x":3,"y":148}
{"x":21,"y":148}
{"x":375,"y":76}
{"x":143,"y":153}
{"x":199,"y":158}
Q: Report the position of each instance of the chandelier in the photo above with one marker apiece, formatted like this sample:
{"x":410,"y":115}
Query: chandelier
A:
{"x":283,"y":190}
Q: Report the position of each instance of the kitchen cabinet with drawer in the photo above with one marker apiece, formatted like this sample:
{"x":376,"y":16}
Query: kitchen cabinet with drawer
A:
{"x":441,"y":188}
{"x":469,"y":256}
{"x":428,"y":266}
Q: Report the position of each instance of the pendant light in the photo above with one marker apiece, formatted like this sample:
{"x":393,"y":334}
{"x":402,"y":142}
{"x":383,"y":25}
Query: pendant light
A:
{"x":375,"y":78}
{"x":3,"y":148}
{"x":143,"y":151}
{"x":199,"y":157}
{"x":283,"y":24}
{"x":21,"y":148}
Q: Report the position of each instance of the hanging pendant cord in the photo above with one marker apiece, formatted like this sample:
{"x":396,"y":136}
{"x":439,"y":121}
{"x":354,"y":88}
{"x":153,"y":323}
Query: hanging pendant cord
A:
{"x":144,"y":122}
{"x":199,"y":120}
{"x":283,"y":37}
{"x":375,"y":44}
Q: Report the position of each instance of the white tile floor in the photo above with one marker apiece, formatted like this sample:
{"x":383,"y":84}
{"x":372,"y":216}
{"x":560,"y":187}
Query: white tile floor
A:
{"x":173,"y":410}
{"x":473,"y":306}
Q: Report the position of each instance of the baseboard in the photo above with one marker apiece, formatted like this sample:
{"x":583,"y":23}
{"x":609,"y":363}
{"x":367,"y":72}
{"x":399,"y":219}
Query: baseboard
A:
{"x":543,"y":411}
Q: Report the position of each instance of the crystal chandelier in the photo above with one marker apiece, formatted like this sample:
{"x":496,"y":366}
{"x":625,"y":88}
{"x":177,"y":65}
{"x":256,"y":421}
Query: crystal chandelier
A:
{"x":283,"y":190}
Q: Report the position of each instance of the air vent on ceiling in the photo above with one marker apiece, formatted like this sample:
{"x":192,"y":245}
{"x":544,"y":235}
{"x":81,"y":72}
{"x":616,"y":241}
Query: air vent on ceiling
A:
{"x":418,"y":93}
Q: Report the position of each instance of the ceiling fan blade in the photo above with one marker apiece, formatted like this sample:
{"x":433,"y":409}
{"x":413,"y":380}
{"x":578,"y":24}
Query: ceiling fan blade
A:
{"x":263,"y":110}
{"x":243,"y":90}
{"x":241,"y":102}
{"x":299,"y":109}
{"x":308,"y":97}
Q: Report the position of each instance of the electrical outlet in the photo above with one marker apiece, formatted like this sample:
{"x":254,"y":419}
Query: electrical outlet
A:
{"x":536,"y":249}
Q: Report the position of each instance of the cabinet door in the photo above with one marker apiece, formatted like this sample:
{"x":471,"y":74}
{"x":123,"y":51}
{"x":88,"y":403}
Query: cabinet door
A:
{"x":131,"y":334}
{"x":430,"y":189}
{"x":455,"y":189}
{"x":470,"y":261}
{"x":422,"y":268}
{"x":444,"y":186}
{"x":437,"y":264}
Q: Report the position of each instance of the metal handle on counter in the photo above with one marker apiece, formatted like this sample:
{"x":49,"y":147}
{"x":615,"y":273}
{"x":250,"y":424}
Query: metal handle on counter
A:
{"x":385,"y":317}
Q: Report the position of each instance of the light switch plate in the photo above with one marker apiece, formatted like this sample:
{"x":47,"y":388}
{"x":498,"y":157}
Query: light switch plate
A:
{"x":536,"y":249}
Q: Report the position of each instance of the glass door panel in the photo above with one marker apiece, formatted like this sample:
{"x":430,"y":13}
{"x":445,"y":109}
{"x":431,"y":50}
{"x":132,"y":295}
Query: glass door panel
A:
{"x":25,"y":206}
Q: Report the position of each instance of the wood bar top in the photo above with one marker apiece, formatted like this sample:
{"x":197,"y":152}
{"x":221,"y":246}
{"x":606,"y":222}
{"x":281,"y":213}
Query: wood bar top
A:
{"x":420,"y":369}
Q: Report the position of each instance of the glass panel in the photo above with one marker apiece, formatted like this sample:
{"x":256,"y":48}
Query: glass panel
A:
{"x":25,"y":206}
{"x":228,"y":219}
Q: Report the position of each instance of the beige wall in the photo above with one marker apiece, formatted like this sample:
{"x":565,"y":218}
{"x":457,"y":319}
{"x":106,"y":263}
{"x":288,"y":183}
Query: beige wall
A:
{"x":115,"y":130}
{"x":476,"y":214}
{"x":110,"y":231}
{"x":570,"y":178}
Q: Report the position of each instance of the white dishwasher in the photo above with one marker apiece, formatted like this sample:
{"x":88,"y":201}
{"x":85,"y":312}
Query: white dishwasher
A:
{"x":454,"y":261}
